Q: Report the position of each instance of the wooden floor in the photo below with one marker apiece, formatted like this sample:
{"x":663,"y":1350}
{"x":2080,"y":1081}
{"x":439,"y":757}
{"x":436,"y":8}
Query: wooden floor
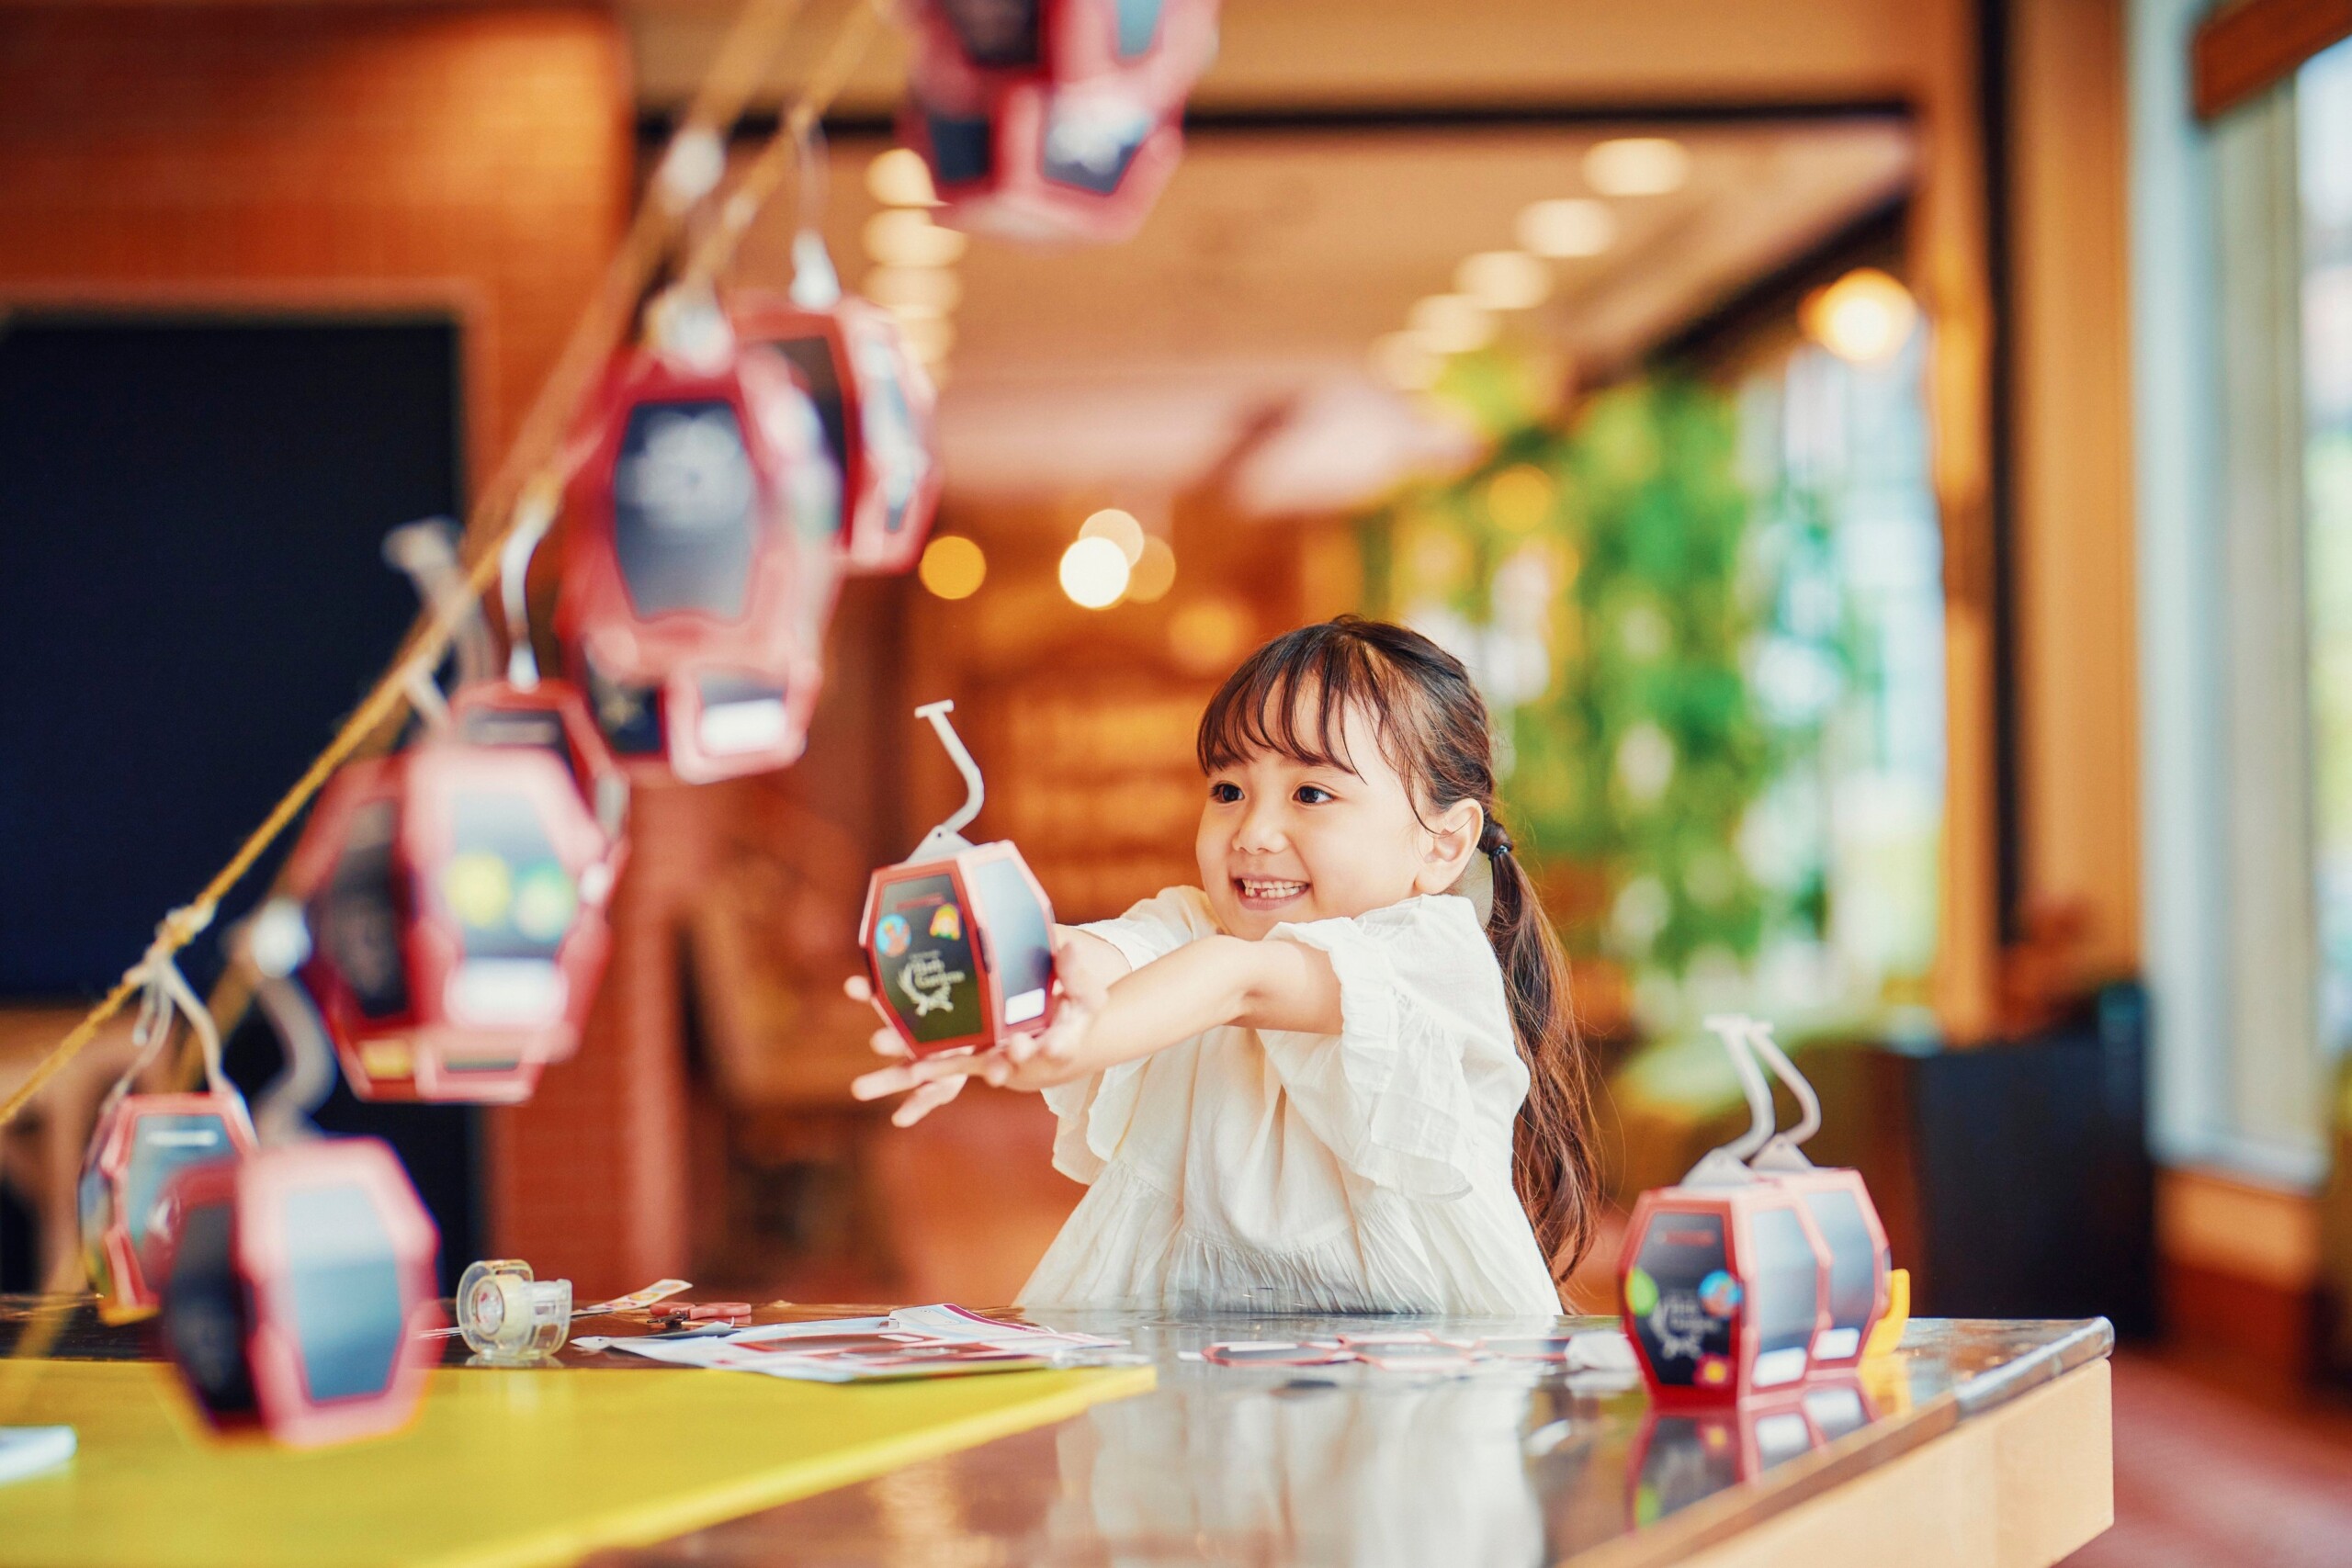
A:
{"x":2212,"y":1470}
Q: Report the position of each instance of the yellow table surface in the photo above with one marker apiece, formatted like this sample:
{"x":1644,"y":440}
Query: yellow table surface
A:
{"x":501,"y":1467}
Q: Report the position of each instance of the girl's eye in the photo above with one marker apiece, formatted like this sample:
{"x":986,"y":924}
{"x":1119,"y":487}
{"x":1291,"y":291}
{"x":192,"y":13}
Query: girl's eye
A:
{"x":1224,"y":792}
{"x":1312,"y":794}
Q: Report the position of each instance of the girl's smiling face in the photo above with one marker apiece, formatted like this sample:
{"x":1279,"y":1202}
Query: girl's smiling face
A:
{"x":1285,"y":840}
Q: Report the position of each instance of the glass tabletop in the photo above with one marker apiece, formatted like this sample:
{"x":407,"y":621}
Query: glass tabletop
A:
{"x":1499,"y":1463}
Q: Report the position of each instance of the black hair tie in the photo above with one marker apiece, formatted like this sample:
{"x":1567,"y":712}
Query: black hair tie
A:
{"x":1494,"y":841}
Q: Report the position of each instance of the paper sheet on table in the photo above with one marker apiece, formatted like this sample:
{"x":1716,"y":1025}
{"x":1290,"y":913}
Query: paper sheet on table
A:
{"x":913,"y":1342}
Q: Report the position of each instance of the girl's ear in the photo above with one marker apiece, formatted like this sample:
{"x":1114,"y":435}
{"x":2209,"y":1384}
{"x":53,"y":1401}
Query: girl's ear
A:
{"x":1453,"y":839}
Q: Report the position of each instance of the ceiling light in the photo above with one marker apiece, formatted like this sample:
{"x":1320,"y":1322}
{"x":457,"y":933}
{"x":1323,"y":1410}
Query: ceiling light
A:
{"x":1119,"y":527}
{"x":1452,"y":323}
{"x":1864,"y":316}
{"x":1094,"y":574}
{"x":1407,"y":362}
{"x":903,"y":236}
{"x":1636,"y":165}
{"x":926,"y":289}
{"x":1154,"y":574}
{"x":952,"y":567}
{"x":1503,"y":280}
{"x":901,"y":179}
{"x":1567,"y":226}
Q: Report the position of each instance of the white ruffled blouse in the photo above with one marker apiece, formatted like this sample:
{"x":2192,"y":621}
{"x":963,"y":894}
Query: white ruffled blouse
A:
{"x":1274,"y":1171}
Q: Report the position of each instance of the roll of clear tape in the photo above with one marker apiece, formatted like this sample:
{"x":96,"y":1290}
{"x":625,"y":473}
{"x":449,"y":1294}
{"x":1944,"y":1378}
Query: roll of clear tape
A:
{"x":505,"y":1315}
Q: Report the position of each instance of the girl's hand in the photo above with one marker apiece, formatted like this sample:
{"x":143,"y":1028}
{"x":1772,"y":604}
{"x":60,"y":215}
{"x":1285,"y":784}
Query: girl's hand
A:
{"x":1026,"y":1061}
{"x":928,"y":1096}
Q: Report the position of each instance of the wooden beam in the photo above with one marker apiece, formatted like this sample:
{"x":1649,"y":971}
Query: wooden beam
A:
{"x":2241,"y":51}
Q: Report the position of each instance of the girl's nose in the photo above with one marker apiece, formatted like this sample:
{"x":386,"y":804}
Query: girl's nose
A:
{"x":1261,"y":832}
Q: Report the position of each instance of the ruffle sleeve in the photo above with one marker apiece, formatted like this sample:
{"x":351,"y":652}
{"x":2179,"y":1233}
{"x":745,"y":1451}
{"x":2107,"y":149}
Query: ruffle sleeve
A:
{"x":1095,"y":1111}
{"x":1390,"y":1094}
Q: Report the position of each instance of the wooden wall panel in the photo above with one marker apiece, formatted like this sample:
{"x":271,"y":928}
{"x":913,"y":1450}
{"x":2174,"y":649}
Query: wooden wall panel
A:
{"x":2078,"y":701}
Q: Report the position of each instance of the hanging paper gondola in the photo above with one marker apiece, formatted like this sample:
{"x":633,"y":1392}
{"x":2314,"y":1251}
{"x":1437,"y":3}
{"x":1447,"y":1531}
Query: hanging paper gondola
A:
{"x":1861,"y":1265}
{"x":700,"y":569}
{"x":958,"y":937}
{"x":456,"y":898}
{"x":296,"y":1290}
{"x":875,"y":401}
{"x":967,"y":51}
{"x":1725,"y":1278}
{"x":141,"y":1141}
{"x":1042,"y":164}
{"x":551,"y":716}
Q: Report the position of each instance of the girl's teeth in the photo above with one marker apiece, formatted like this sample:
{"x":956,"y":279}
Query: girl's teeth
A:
{"x":1272,"y":889}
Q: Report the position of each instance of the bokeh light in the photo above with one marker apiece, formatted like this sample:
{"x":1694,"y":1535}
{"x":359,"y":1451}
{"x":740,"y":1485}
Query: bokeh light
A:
{"x":1864,"y":318}
{"x":1567,"y":227}
{"x":1454,"y":324}
{"x":1154,"y":573}
{"x":907,"y":237}
{"x":1094,"y":574}
{"x":901,"y":179}
{"x":952,"y":567}
{"x":1120,"y":529}
{"x":1503,"y":280}
{"x":1208,"y":635}
{"x":1636,"y":165}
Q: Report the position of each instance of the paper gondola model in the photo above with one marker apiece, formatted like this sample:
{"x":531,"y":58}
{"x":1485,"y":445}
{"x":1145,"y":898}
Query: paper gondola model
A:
{"x":1724,"y":1277}
{"x":967,"y":50}
{"x":455,"y":902}
{"x":1045,"y":164}
{"x":1839,"y":1204}
{"x":296,"y":1289}
{"x":958,"y":937}
{"x":875,"y":402}
{"x":700,"y":552}
{"x":142,"y":1142}
{"x":1053,"y":121}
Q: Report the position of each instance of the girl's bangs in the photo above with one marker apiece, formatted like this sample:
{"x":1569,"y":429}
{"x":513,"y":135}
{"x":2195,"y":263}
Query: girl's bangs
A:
{"x":1291,"y":698}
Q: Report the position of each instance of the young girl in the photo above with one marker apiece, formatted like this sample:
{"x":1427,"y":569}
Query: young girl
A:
{"x":1312,"y":1083}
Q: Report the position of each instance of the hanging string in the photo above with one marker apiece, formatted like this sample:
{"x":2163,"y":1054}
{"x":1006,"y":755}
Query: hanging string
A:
{"x":765,"y":173}
{"x":534,"y":466}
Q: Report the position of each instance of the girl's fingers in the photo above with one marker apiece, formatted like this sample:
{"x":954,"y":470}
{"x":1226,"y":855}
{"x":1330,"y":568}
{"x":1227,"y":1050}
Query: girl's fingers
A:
{"x":858,"y":988}
{"x":925,"y":1101}
{"x":885,"y":1042}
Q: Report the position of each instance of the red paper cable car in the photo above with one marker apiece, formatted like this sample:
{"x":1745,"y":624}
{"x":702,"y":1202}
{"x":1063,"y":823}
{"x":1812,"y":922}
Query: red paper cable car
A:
{"x":297,"y":1290}
{"x":958,"y":937}
{"x":1861,"y":1263}
{"x":967,"y":51}
{"x":700,"y":568}
{"x":455,"y":898}
{"x":142,"y":1142}
{"x":1724,"y":1277}
{"x":1045,"y":163}
{"x":551,"y":716}
{"x":875,"y":401}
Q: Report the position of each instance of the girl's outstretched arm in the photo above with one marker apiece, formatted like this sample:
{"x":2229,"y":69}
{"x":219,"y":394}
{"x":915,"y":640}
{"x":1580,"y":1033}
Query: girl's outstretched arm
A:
{"x":1217,"y":980}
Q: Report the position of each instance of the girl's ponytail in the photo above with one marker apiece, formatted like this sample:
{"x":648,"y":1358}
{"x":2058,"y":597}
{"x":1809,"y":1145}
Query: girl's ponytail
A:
{"x":1554,"y":1164}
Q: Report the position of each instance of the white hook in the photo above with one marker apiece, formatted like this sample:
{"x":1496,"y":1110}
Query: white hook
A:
{"x":535,"y":514}
{"x":1732,"y":1028}
{"x":276,"y":943}
{"x":949,"y":835}
{"x":1784,"y":1148}
{"x":816,"y":286}
{"x":428,"y":551}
